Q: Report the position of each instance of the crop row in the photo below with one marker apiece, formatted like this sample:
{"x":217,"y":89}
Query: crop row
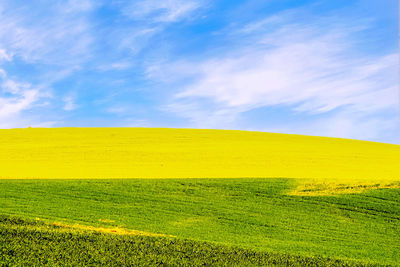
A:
{"x":31,"y":243}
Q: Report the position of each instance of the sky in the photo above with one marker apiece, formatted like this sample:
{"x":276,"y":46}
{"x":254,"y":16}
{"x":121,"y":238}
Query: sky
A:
{"x":326,"y":68}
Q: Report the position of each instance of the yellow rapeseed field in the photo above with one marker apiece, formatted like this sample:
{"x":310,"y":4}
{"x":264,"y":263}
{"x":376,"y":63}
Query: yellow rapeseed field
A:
{"x":186,"y":153}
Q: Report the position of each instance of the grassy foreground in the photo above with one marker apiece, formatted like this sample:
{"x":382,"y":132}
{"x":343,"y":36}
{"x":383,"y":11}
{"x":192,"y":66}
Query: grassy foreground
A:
{"x":253,"y":214}
{"x":24,"y":242}
{"x":187,"y":153}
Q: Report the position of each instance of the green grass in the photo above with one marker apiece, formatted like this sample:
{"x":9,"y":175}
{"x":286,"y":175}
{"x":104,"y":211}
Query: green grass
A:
{"x":25,"y":242}
{"x":253,"y":214}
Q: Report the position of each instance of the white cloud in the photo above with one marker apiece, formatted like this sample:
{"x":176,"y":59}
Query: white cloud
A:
{"x":9,"y":106}
{"x":27,"y":34}
{"x":55,"y":40}
{"x":4,"y":55}
{"x":79,"y":5}
{"x":10,"y":86}
{"x":135,"y":39}
{"x":2,"y":74}
{"x":306,"y":68}
{"x":15,"y":98}
{"x":122,"y":65}
{"x":305,"y":74}
{"x":161,"y":10}
{"x":22,"y":98}
{"x":69,"y":103}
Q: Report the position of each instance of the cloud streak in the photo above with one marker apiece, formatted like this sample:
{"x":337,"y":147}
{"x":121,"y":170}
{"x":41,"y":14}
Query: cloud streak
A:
{"x":37,"y":38}
{"x":164,"y":11}
{"x":199,"y":64}
{"x":69,"y":103}
{"x":306,"y":68}
{"x":15,"y":97}
{"x":306,"y":73}
{"x":54,"y":40}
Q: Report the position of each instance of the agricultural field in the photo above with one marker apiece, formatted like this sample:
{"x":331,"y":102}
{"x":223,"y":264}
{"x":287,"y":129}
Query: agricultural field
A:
{"x":179,"y":196}
{"x":54,"y":245}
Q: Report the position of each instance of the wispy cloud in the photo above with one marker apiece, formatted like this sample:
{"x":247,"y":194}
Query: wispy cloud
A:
{"x":314,"y":74}
{"x":26,"y":34}
{"x":69,"y":103}
{"x":147,"y":20}
{"x":200,"y":63}
{"x":134,"y":39}
{"x":122,"y":65}
{"x":53,"y":45}
{"x":15,"y":97}
{"x":161,"y":10}
{"x":18,"y":103}
{"x":305,"y":67}
{"x":79,"y":5}
{"x":4,"y":55}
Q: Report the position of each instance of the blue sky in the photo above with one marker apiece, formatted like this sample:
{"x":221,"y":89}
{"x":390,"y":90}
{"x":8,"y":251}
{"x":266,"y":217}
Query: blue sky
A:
{"x":325,"y":68}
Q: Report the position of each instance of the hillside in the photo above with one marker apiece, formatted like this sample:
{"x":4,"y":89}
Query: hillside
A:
{"x":187,"y":153}
{"x":196,"y":196}
{"x":55,"y":245}
{"x":254,"y":214}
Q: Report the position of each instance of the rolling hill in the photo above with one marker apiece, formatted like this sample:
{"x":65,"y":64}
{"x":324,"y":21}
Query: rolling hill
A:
{"x":255,"y":198}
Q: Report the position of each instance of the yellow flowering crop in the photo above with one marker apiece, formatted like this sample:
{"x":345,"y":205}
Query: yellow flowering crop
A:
{"x":186,"y":153}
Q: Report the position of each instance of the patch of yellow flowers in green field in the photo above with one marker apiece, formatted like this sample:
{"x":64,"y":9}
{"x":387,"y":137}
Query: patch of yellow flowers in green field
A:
{"x":60,"y":227}
{"x":63,"y":153}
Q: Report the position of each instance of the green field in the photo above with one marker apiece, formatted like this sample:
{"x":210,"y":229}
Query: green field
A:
{"x":169,"y":196}
{"x":247,"y":215}
{"x":33,"y":243}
